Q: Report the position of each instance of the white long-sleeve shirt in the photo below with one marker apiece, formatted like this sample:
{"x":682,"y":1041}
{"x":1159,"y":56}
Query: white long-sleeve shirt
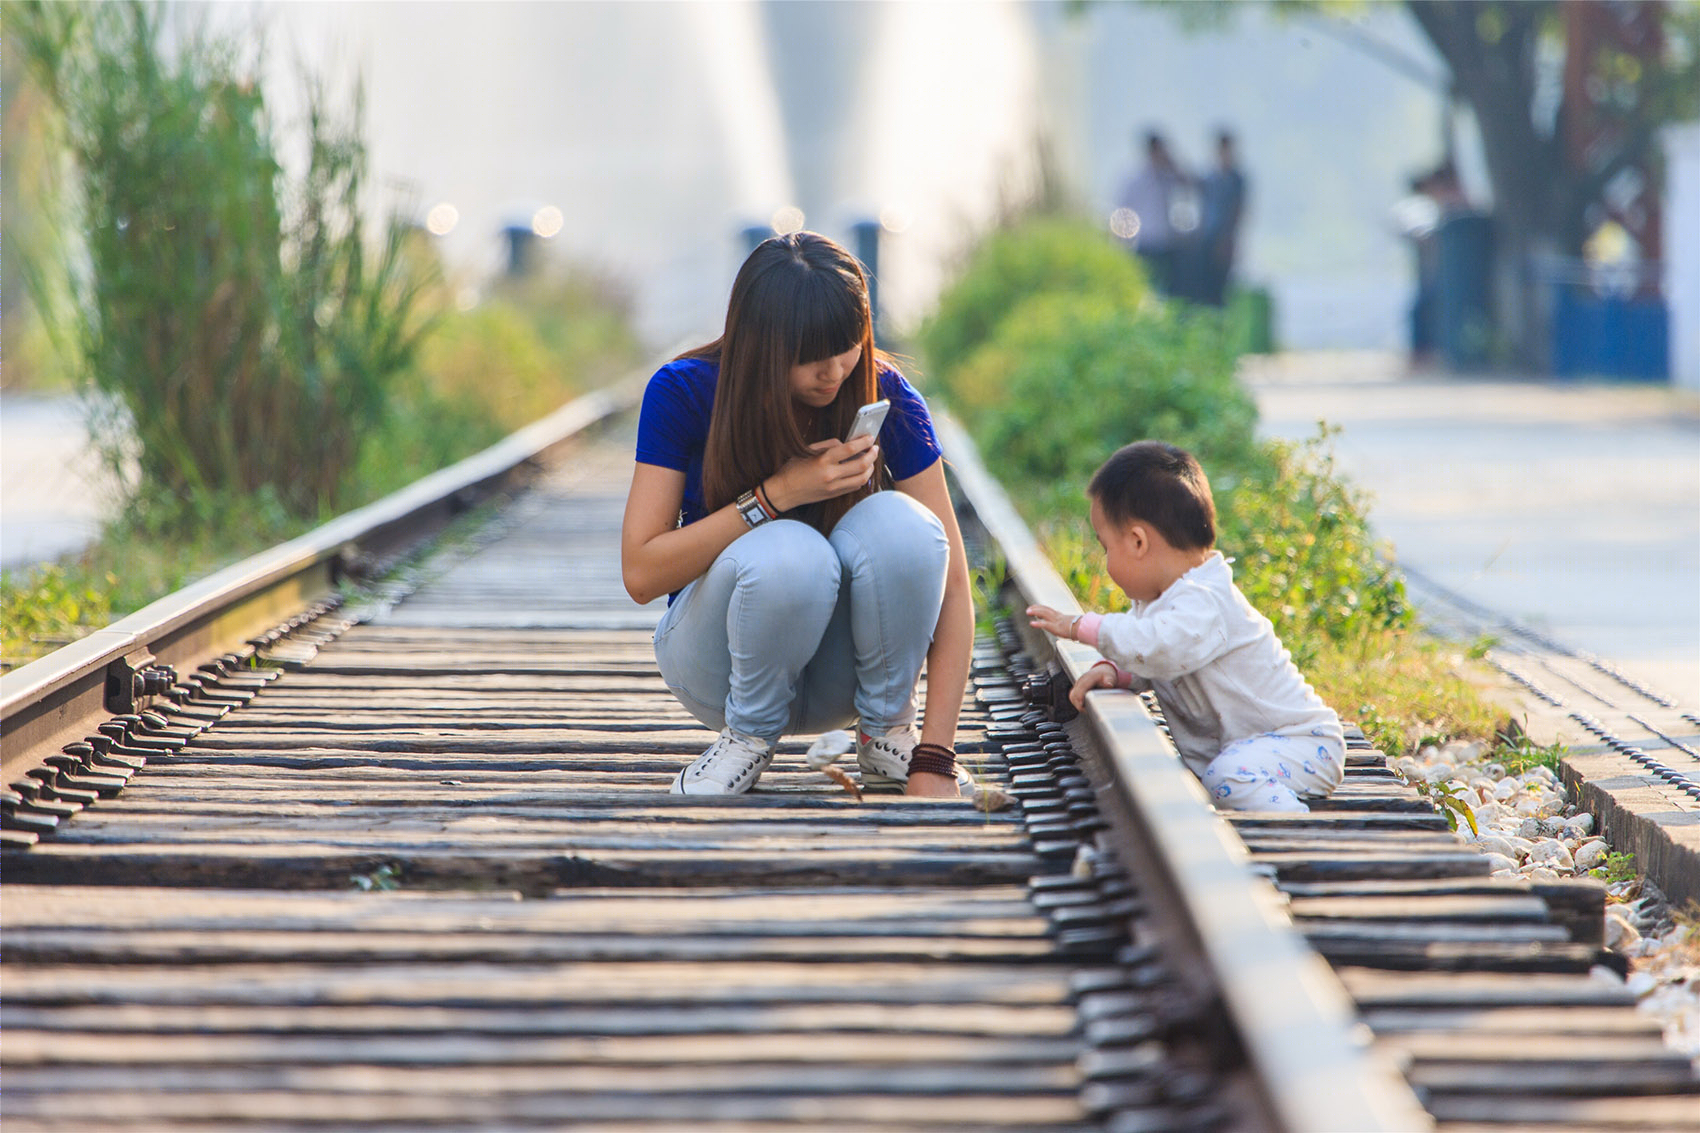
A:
{"x":1214,"y":662}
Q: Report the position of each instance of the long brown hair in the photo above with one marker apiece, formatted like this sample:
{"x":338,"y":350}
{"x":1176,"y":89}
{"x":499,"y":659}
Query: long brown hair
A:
{"x":798,"y":299}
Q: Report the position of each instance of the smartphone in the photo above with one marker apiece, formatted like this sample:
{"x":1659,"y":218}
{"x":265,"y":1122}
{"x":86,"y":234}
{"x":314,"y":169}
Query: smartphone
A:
{"x":868,"y":420}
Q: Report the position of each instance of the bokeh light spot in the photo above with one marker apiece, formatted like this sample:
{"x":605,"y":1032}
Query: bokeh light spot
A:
{"x":788,"y":220}
{"x":442,"y":218}
{"x":1124,"y":223}
{"x":547,"y":221}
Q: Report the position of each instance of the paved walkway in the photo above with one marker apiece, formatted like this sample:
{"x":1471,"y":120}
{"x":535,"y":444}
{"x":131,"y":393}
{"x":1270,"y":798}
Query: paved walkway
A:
{"x":51,"y":502}
{"x":1571,"y":508}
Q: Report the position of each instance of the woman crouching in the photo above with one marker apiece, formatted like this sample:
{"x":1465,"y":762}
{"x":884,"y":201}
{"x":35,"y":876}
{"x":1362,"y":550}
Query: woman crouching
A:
{"x":808,"y":577}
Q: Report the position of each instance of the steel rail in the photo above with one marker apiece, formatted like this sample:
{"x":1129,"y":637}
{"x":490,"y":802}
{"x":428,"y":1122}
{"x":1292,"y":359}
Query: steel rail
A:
{"x":1297,"y":1024}
{"x":63,"y":696}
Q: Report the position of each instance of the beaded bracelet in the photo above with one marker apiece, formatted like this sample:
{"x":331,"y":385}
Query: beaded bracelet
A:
{"x":933,"y":759}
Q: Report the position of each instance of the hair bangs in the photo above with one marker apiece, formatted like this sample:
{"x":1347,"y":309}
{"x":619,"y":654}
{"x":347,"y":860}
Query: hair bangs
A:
{"x":832,"y":316}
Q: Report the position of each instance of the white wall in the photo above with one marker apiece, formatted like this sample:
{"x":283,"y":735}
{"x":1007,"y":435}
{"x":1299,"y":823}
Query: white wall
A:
{"x":1682,"y":251}
{"x":659,"y":129}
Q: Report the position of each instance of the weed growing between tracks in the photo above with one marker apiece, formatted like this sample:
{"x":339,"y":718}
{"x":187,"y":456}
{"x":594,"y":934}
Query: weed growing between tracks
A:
{"x":1054,"y":352}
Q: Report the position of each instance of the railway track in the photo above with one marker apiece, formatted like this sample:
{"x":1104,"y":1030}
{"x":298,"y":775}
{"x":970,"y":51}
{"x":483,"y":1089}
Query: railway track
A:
{"x":405,"y":859}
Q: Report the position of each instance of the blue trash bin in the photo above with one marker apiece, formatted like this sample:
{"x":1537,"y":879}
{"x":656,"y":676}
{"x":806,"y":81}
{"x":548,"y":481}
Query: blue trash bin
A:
{"x":1609,"y":336}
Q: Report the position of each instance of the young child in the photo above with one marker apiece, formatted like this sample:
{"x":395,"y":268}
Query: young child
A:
{"x":1245,"y":721}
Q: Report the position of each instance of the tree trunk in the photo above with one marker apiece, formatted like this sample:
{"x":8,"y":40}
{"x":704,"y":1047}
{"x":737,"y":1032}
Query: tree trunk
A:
{"x":1525,"y":166}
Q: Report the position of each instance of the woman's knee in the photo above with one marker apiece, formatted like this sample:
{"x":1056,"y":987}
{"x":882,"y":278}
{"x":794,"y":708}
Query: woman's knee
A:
{"x":891,"y":526}
{"x":784,"y":564}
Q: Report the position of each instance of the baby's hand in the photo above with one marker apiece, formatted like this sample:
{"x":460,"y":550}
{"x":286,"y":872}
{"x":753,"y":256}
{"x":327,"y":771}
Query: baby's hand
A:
{"x":1100,"y":675}
{"x":1049,"y":620}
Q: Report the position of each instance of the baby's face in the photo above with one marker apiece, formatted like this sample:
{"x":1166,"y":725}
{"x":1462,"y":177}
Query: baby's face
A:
{"x":1127,"y":556}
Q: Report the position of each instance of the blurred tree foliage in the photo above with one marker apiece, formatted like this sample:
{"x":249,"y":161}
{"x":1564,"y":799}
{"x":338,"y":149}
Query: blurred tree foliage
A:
{"x":1569,"y":96}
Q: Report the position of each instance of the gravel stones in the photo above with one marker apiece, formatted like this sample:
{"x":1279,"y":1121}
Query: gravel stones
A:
{"x":1495,"y":844}
{"x":1529,"y":833}
{"x":1590,"y":854}
{"x":1620,"y":930}
{"x":1551,"y":853}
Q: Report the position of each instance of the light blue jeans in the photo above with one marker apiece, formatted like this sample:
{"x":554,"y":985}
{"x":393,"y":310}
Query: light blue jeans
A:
{"x":791,"y":631}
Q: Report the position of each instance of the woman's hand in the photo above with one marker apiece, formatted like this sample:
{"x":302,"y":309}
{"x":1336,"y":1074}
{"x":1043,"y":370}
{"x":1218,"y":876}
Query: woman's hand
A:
{"x":1101,"y":675}
{"x":831,"y":469}
{"x":1052,"y":622}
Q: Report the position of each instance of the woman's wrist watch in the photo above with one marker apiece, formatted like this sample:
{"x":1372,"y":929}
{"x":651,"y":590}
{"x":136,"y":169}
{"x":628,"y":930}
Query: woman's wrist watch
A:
{"x":750,"y":508}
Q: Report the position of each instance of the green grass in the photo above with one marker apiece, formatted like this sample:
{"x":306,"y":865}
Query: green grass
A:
{"x":1617,"y":867}
{"x":132,"y":564}
{"x":47,"y":606}
{"x":1520,"y":754}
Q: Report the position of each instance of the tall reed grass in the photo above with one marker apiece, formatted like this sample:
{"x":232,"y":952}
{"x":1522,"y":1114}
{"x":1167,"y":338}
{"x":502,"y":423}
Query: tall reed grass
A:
{"x":259,"y":358}
{"x":245,"y":328}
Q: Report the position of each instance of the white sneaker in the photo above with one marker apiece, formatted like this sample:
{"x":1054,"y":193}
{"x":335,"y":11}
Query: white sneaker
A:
{"x":730,"y":766}
{"x":884,"y":760}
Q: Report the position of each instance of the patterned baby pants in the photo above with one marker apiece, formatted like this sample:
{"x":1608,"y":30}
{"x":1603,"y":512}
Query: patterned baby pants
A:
{"x":1271,"y":772}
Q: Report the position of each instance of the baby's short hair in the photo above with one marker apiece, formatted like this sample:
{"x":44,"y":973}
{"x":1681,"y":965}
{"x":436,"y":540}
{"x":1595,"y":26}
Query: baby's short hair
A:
{"x":1159,"y":484}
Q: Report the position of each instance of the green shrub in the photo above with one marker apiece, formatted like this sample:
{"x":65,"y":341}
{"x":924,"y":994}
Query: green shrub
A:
{"x":584,"y":320}
{"x":1052,"y":361}
{"x":1305,"y":554}
{"x":530,"y":347}
{"x":1049,"y":254}
{"x":1067,"y":379}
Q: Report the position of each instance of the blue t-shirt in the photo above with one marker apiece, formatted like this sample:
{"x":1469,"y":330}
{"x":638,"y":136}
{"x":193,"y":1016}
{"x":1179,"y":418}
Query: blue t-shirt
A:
{"x":679,"y":402}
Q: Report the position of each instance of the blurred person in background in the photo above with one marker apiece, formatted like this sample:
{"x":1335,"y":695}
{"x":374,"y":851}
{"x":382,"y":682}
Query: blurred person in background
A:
{"x":1154,"y":195}
{"x":1222,"y":194}
{"x":1434,"y":196}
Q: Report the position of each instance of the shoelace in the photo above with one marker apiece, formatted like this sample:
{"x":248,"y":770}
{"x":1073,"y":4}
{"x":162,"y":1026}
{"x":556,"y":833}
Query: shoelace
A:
{"x":731,"y":748}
